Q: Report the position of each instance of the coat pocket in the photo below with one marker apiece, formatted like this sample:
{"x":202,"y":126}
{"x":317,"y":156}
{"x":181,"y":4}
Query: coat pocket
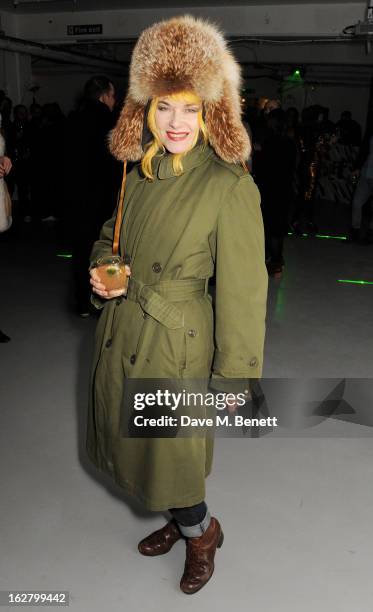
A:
{"x":161,"y":351}
{"x":198,"y":345}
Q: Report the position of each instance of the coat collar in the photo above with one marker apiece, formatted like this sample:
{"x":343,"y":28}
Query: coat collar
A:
{"x":162,"y":165}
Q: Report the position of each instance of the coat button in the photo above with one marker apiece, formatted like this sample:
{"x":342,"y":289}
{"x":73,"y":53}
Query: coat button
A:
{"x":108,"y":343}
{"x":132,"y":359}
{"x":144,"y":315}
{"x":253,"y":362}
{"x":119,"y":301}
{"x":192,"y":333}
{"x":156,"y":267}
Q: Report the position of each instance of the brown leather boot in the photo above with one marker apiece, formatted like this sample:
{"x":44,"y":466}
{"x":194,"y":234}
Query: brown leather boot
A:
{"x":200,"y":553}
{"x":161,"y":541}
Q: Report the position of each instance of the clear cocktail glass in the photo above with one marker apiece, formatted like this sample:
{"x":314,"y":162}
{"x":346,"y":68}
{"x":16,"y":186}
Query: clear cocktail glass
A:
{"x":111,"y":271}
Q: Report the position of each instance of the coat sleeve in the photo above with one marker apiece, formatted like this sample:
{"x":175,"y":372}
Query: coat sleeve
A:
{"x":241,"y":288}
{"x":103,"y":246}
{"x":5,"y":207}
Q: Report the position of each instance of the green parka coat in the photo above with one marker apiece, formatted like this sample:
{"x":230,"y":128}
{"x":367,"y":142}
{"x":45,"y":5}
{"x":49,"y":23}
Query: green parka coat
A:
{"x":176,"y":228}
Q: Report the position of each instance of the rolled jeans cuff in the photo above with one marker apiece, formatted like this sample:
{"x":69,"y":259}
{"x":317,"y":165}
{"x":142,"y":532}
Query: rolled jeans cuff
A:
{"x":195,"y":531}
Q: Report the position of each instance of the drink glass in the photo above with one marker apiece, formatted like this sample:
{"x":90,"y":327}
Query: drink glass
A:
{"x":112,"y":272}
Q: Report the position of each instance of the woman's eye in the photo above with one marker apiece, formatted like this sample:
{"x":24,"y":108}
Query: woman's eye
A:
{"x":192,"y":110}
{"x":162,"y":108}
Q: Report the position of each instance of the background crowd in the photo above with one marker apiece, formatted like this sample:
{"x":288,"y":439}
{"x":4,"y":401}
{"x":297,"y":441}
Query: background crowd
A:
{"x":62,"y":170}
{"x":299,"y":160}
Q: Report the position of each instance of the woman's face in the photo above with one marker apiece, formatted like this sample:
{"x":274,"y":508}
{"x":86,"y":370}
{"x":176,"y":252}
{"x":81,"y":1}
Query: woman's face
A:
{"x":177,"y":124}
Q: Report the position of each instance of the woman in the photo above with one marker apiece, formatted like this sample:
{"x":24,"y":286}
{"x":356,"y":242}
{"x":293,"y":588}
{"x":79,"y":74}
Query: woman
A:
{"x":5,"y":168}
{"x":190,"y":207}
{"x":5,"y":202}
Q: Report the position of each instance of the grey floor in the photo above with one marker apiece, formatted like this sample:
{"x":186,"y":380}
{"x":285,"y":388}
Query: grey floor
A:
{"x":296,"y":512}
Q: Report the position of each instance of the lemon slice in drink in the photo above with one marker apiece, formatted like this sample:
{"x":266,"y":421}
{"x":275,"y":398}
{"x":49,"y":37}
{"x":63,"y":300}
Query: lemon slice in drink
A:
{"x":111,"y":270}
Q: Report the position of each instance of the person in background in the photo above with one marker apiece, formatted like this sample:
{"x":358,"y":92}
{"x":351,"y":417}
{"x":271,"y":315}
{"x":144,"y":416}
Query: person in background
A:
{"x":35,"y":122}
{"x":311,"y":139}
{"x":348,"y":130}
{"x":18,"y":146}
{"x":94,"y":177}
{"x":363,"y":193}
{"x":6,"y":106}
{"x":278,"y":162}
{"x":292,"y":124}
{"x":37,"y":172}
{"x":2,"y":96}
{"x":270,"y":105}
{"x":47,"y":159}
{"x":293,"y":132}
{"x":325,"y":128}
{"x":5,"y":213}
{"x":36,"y":114}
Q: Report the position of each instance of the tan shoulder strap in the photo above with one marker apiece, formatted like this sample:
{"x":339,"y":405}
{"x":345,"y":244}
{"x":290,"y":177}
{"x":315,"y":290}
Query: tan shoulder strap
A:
{"x":119,"y":218}
{"x":245,"y":166}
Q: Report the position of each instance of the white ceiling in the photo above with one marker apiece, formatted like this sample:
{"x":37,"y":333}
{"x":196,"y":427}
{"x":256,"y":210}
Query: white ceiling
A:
{"x":90,"y":5}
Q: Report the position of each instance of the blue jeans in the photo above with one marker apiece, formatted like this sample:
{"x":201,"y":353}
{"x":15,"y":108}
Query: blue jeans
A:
{"x":191,"y":515}
{"x":193,"y":521}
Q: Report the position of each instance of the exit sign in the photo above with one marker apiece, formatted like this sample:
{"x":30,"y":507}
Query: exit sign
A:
{"x":79,"y":30}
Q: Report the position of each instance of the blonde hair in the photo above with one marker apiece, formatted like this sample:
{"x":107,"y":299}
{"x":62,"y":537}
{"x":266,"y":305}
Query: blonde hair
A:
{"x":156,"y":145}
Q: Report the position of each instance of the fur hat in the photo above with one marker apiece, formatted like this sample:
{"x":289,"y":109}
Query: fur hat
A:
{"x":183,"y":53}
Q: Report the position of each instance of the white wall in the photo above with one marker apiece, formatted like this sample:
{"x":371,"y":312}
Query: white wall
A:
{"x":8,"y":23}
{"x":341,"y":53}
{"x":264,"y":19}
{"x":15,"y":68}
{"x":64,"y":83}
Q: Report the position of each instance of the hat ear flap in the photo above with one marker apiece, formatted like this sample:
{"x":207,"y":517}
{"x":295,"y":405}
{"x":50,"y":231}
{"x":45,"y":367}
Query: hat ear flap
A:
{"x":125,"y":140}
{"x":227,"y":134}
{"x":147,"y":135}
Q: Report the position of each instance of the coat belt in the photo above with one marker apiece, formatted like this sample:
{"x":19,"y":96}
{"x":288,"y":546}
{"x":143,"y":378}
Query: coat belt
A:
{"x":156,"y":300}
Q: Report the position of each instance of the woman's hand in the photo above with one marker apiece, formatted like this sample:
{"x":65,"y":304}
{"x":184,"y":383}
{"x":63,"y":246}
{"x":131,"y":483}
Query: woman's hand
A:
{"x":99,"y":288}
{"x":5,"y":165}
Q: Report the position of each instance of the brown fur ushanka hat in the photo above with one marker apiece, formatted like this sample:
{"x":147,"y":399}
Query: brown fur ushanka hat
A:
{"x":183,"y":53}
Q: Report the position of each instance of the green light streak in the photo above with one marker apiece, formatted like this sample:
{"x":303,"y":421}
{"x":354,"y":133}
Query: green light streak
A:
{"x":355,"y":282}
{"x":322,"y":236}
{"x":64,"y":255}
{"x":332,"y":237}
